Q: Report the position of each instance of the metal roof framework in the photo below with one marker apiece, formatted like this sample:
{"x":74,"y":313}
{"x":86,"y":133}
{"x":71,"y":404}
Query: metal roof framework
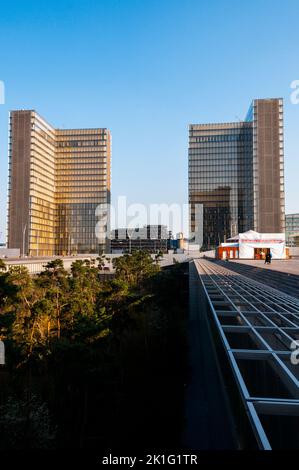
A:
{"x":259,"y":324}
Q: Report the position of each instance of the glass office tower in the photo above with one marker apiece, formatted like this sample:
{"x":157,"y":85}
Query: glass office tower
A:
{"x":236,"y":180}
{"x":82,"y":184}
{"x":292,"y":229}
{"x":57,"y":179}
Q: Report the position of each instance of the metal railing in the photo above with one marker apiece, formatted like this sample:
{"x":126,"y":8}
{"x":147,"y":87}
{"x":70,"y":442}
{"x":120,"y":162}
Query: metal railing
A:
{"x":258,"y":327}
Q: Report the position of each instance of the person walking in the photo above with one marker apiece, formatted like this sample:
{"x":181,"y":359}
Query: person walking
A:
{"x":270,"y":257}
{"x":267,"y":258}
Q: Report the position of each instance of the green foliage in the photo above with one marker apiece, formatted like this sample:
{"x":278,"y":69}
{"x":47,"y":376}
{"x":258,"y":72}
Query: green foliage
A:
{"x":159,"y":256}
{"x":2,"y":265}
{"x":101,"y":261}
{"x":66,"y":331}
{"x":76,"y":307}
{"x":136,"y":267}
{"x":25,"y":424}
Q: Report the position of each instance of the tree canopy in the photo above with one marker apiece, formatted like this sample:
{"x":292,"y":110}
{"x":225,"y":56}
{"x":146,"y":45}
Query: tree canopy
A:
{"x":69,"y":332}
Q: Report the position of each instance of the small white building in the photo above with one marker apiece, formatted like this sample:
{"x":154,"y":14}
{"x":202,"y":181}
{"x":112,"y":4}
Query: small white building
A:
{"x":253,"y":245}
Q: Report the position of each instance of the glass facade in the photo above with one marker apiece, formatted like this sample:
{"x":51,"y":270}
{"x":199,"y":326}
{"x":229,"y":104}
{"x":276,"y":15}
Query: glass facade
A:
{"x":57,"y":179}
{"x":42,"y":213}
{"x":292,"y":230}
{"x":82,"y":183}
{"x":220,"y":179}
{"x":236,"y":175}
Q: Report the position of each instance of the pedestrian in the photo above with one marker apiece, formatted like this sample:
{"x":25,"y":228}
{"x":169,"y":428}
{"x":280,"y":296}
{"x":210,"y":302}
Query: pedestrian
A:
{"x":270,"y":257}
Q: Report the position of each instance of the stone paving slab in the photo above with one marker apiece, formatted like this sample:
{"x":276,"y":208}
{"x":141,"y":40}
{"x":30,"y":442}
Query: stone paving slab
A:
{"x":290,"y":266}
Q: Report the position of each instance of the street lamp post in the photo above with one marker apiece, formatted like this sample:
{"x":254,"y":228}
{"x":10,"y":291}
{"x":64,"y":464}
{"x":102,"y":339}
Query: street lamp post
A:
{"x":24,"y":232}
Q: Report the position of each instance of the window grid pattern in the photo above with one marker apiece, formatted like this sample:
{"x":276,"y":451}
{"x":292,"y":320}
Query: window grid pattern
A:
{"x":257,"y":326}
{"x":220,"y":178}
{"x":57,"y":179}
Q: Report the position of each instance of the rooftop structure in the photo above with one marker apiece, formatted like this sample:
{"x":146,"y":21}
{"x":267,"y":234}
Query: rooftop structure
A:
{"x":257,"y":327}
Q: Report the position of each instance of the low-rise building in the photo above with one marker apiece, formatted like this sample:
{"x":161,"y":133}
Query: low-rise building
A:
{"x":150,"y":238}
{"x":253,"y":245}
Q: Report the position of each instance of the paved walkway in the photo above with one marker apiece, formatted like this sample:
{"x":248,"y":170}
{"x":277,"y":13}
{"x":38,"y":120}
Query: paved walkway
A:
{"x":280,"y":274}
{"x":290,"y":266}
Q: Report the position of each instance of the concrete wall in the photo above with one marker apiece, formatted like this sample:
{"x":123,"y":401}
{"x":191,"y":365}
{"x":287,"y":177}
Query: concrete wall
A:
{"x":18,"y":209}
{"x":268,"y":166}
{"x":35,"y":265}
{"x":9,"y":252}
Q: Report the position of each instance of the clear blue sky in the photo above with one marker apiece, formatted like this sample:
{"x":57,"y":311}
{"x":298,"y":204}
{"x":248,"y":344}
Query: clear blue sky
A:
{"x":146,"y":69}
